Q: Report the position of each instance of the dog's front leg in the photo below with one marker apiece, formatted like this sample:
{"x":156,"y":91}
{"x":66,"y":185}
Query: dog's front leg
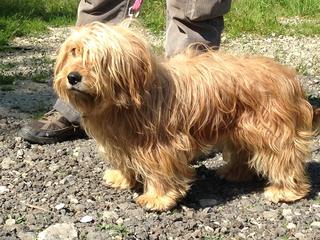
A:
{"x":120,"y":179}
{"x":156,"y":198}
{"x":120,"y":176}
{"x":166,"y":177}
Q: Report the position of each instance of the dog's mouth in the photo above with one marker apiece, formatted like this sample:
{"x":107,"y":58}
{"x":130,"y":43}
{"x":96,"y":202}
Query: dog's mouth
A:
{"x":80,"y":93}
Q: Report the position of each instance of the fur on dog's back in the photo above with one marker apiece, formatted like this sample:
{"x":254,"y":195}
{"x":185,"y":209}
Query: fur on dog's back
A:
{"x":214,"y":92}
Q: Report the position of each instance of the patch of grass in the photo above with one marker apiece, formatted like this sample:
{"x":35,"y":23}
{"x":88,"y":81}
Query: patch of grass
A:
{"x":284,"y":238}
{"x":7,"y":88}
{"x":302,"y":69}
{"x":317,"y":200}
{"x":209,"y":237}
{"x":41,"y":110}
{"x":6,"y":80}
{"x":158,"y":50}
{"x":20,"y":220}
{"x":23,"y":17}
{"x":38,"y":115}
{"x":6,"y":66}
{"x":41,"y":77}
{"x":117,"y":229}
{"x":262,"y":17}
{"x":153,"y":14}
{"x":251,"y":16}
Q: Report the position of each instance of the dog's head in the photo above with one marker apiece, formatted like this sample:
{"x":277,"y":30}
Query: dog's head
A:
{"x":99,"y":66}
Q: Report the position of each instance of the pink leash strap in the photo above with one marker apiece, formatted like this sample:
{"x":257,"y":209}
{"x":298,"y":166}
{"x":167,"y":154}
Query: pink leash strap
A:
{"x":135,"y":8}
{"x":137,"y":5}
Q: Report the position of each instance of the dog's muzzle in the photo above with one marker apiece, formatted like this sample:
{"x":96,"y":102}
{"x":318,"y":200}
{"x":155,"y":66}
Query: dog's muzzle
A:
{"x":74,"y":78}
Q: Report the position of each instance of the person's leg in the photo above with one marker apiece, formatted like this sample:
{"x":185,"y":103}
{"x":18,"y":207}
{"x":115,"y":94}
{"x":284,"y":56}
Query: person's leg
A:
{"x":63,"y":122}
{"x":190,"y":22}
{"x":111,"y":11}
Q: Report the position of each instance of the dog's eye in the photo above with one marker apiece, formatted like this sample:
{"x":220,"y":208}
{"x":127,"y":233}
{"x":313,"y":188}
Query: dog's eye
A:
{"x":73,"y":52}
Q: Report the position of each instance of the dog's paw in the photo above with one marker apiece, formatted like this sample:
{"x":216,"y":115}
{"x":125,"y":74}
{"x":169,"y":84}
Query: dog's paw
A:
{"x":115,"y":179}
{"x":277,"y":194}
{"x":156,"y":203}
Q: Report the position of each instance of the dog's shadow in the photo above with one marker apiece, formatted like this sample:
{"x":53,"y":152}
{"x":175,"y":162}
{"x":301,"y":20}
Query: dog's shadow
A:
{"x":210,"y":190}
{"x":314,"y":101}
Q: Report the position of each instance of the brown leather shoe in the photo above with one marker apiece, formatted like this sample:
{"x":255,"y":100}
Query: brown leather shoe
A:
{"x":51,"y":128}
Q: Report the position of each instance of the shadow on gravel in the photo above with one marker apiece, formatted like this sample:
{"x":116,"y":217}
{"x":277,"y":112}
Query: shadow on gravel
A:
{"x":209,"y":190}
{"x":314,"y":173}
{"x":314,"y":101}
{"x":24,"y":101}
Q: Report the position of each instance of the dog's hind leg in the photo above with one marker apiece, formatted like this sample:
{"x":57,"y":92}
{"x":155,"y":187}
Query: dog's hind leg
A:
{"x":286,"y":173}
{"x":279,"y":151}
{"x":236,"y":168}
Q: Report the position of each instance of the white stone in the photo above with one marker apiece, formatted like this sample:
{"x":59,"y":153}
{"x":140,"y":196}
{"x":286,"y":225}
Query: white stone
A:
{"x":20,"y":153}
{"x":60,"y":206}
{"x":119,"y":221}
{"x":241,"y":235}
{"x":18,"y":139}
{"x":315,"y":224}
{"x":3,"y":189}
{"x":286,"y":212}
{"x":59,"y":231}
{"x":72,"y":199}
{"x":10,"y":222}
{"x":270,"y":215}
{"x":54,"y":167}
{"x":7,"y":163}
{"x":86,"y":219}
{"x":291,"y":226}
{"x":208,"y":229}
{"x":299,"y":235}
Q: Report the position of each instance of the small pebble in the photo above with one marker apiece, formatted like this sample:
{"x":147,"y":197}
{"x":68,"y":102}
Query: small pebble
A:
{"x":60,"y":206}
{"x":291,"y":226}
{"x":119,"y":221}
{"x":20,"y":153}
{"x":315,"y":224}
{"x":10,"y":222}
{"x":3,"y":189}
{"x":86,"y":219}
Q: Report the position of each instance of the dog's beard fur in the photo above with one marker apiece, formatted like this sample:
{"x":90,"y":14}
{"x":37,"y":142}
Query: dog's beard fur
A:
{"x":150,"y":117}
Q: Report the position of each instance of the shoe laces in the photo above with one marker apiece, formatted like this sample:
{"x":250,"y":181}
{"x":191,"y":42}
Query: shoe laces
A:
{"x":53,"y":117}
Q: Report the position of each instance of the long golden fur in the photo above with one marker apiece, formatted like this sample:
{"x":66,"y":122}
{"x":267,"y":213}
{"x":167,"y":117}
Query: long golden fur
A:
{"x":150,"y":117}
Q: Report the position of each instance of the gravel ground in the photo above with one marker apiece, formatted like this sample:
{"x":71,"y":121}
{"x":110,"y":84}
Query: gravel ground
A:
{"x":56,"y":191}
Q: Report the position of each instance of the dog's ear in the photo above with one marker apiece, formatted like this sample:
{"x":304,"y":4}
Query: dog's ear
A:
{"x":62,"y":52}
{"x":132,"y":70}
{"x":61,"y":59}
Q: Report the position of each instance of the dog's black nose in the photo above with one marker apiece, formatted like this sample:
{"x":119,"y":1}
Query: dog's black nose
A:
{"x":74,"y":78}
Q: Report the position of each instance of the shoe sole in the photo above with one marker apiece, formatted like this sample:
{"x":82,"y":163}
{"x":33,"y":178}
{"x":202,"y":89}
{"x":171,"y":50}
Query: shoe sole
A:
{"x":43,"y":140}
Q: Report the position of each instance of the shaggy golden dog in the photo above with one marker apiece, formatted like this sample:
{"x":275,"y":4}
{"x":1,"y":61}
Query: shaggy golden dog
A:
{"x":151,"y":117}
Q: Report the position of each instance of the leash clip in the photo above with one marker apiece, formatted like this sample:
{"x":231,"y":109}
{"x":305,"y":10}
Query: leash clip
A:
{"x":132,"y":13}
